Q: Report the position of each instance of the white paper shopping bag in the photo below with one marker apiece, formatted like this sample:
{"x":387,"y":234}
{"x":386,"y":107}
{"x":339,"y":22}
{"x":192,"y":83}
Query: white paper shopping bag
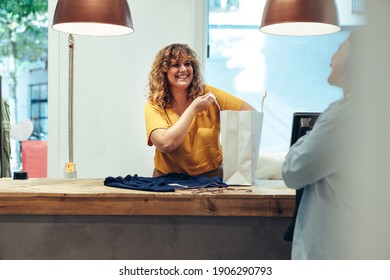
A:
{"x":240,"y":139}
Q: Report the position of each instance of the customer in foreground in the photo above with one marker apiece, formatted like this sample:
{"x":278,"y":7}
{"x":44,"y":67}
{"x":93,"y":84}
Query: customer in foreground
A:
{"x":321,"y":163}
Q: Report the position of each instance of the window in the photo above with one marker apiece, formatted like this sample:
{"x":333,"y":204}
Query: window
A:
{"x":293,"y":70}
{"x":224,"y":5}
{"x":358,"y":6}
{"x":23,"y":66}
{"x":39,"y":111}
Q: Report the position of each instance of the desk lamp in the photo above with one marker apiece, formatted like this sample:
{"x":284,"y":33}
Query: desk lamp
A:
{"x":94,"y":18}
{"x":300,"y":17}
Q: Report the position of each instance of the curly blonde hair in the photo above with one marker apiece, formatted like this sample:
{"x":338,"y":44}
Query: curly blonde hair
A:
{"x":159,"y":91}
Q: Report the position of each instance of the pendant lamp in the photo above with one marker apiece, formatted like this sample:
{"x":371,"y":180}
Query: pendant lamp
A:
{"x":300,"y":17}
{"x":93,"y":17}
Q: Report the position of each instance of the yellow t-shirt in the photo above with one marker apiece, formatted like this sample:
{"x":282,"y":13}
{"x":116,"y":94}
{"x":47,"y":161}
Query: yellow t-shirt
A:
{"x":200,"y":151}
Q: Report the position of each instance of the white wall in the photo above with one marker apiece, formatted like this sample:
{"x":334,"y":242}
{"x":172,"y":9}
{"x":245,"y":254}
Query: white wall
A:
{"x":109,"y":88}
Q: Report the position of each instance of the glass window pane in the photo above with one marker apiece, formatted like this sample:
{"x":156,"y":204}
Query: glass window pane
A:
{"x":35,"y":93}
{"x":293,"y":70}
{"x":44,"y":91}
{"x":35,"y":111}
{"x":43,"y":109}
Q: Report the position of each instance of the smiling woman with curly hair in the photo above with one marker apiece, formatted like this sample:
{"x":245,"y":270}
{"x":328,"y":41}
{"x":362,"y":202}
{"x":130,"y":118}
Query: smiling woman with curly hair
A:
{"x":159,"y":91}
{"x":182,"y":115}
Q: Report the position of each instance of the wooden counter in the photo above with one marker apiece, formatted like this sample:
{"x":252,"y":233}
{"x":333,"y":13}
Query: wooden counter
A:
{"x":91,"y":197}
{"x":83,"y":219}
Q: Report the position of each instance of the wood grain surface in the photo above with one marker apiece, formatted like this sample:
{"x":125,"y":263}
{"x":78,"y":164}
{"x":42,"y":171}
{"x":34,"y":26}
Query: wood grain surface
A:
{"x":47,"y":196}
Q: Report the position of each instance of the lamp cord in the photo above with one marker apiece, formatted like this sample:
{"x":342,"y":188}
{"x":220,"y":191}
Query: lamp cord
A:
{"x":70,"y":97}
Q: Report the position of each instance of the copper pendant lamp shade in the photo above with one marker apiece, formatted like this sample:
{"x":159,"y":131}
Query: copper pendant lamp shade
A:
{"x":93,"y":17}
{"x":300,"y":17}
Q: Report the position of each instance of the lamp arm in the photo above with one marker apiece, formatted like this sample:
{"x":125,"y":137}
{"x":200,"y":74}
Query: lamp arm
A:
{"x":70,"y":97}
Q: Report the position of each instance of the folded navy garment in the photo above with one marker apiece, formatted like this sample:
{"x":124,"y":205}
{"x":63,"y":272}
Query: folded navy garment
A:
{"x":166,"y":183}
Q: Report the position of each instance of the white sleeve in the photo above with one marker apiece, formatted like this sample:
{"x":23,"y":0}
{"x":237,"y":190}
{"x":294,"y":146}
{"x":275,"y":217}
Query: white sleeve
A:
{"x":316,"y":155}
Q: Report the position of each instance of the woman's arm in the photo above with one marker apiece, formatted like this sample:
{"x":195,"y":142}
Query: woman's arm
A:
{"x":169,"y":139}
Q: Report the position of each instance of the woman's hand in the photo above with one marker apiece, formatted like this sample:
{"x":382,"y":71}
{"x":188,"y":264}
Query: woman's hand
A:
{"x":201,"y":102}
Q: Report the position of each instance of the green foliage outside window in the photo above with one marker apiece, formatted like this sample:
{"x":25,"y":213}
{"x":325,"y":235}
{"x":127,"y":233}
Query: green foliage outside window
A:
{"x":23,"y":45}
{"x":23,"y":38}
